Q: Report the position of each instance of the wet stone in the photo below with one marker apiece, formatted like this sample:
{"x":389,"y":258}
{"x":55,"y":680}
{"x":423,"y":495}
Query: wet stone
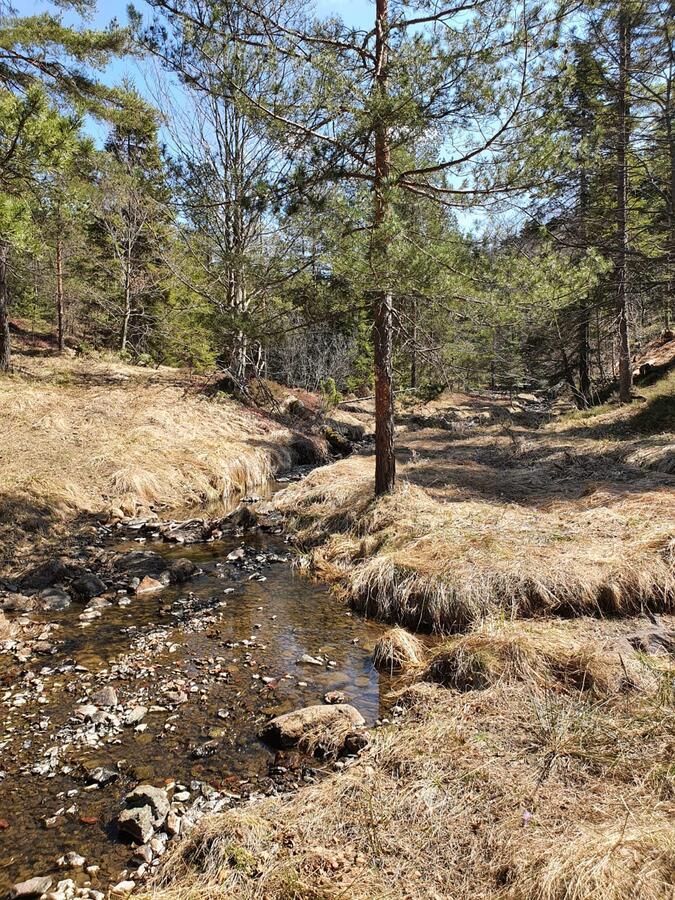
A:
{"x":54,"y":599}
{"x":88,"y":586}
{"x":182,"y":570}
{"x":34,"y":887}
{"x":149,"y":585}
{"x":137,"y":823}
{"x":19,"y":603}
{"x":145,"y":795}
{"x":289,"y":729}
{"x":45,"y":574}
{"x":207,"y":749}
{"x":141,"y":563}
{"x":307,"y":660}
{"x":135,"y":715}
{"x":107,"y":696}
{"x":102,"y":776}
{"x":71,"y":861}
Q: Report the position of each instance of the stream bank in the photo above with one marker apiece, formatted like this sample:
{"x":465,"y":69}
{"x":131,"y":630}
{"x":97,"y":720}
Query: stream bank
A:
{"x":160,"y":673}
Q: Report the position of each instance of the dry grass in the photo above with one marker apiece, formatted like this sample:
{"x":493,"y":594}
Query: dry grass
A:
{"x":553,"y":521}
{"x":398,"y":650}
{"x":625,"y":862}
{"x":575,"y":655}
{"x":327,"y":741}
{"x":91,"y":436}
{"x":513,"y":791}
{"x":8,"y":629}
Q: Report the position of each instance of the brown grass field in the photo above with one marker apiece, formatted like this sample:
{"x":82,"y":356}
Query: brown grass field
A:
{"x":569,"y":518}
{"x":534,"y":758}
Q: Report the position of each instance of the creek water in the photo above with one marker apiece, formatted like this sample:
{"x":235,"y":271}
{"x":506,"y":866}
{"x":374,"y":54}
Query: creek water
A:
{"x":210,"y":659}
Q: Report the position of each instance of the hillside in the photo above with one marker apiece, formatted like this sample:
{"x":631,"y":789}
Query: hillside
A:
{"x":94,"y":436}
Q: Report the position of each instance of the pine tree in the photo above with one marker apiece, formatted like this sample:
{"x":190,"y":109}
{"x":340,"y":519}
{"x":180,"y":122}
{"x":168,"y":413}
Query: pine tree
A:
{"x":41,"y":62}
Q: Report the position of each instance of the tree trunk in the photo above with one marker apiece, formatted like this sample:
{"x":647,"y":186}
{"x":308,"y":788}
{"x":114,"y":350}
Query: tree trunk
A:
{"x":413,"y":353}
{"x":127,"y":307}
{"x":59,"y":296}
{"x":670,"y":281}
{"x":5,"y":355}
{"x":585,"y":356}
{"x":584,"y":322}
{"x":385,"y":461}
{"x":623,"y":135}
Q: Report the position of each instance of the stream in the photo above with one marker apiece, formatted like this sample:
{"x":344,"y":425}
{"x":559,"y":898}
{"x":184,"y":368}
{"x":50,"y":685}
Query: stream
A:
{"x":209,"y":661}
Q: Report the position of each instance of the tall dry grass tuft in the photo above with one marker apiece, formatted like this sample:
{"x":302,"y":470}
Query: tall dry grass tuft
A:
{"x":630,"y":861}
{"x":398,"y":650}
{"x":442,"y":563}
{"x":538,"y":654}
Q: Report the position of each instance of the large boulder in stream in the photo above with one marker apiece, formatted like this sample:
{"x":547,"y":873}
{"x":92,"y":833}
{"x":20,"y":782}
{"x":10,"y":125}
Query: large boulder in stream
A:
{"x":146,"y":808}
{"x":140,"y":563}
{"x":54,"y":599}
{"x":182,"y":570}
{"x":45,"y":574}
{"x":87,"y":586}
{"x":154,"y":797}
{"x":326,"y":730}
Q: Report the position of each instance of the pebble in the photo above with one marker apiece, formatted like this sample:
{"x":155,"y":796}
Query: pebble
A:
{"x":71,"y":861}
{"x":124,"y":887}
{"x":308,"y":660}
{"x":135,"y":715}
{"x":107,"y":696}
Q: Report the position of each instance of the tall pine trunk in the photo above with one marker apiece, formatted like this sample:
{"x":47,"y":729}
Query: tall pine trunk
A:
{"x":584,"y":322}
{"x":623,"y":137}
{"x":585,"y":357}
{"x":59,"y":296}
{"x":385,"y":461}
{"x":5,"y":355}
{"x":413,"y":352}
{"x":670,"y":281}
{"x":126,"y":315}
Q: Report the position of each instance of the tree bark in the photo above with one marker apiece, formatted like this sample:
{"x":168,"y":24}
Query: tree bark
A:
{"x":670,"y":281}
{"x":585,"y":357}
{"x":584,"y":322}
{"x":413,"y":352}
{"x":59,"y":296}
{"x":5,"y":354}
{"x":385,"y":461}
{"x":127,"y":303}
{"x":623,"y":136}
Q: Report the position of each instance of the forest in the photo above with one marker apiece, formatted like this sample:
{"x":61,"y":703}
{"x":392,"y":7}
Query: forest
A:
{"x":504,"y":171}
{"x":337,"y":481}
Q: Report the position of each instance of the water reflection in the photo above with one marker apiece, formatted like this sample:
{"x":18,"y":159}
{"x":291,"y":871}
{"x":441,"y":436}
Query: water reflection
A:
{"x":261,"y":633}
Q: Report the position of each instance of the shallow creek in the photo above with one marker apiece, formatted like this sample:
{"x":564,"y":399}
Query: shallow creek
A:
{"x":210,"y":660}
